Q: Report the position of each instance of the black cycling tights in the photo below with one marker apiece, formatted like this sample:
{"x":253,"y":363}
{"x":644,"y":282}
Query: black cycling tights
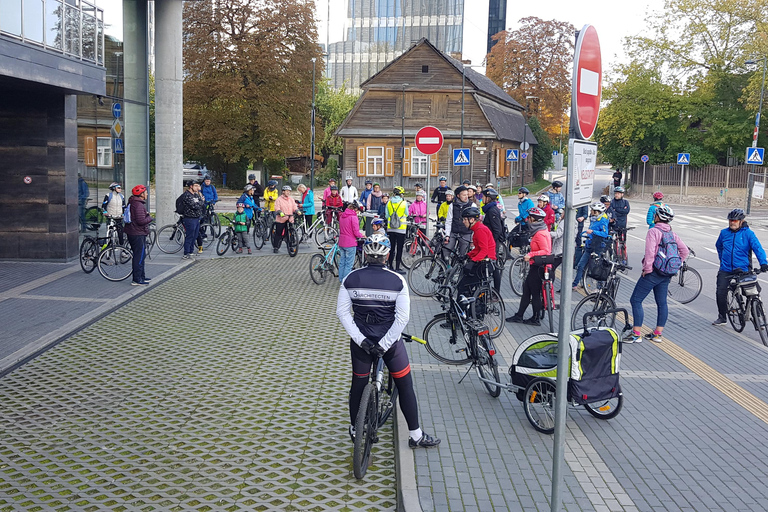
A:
{"x":396,"y":360}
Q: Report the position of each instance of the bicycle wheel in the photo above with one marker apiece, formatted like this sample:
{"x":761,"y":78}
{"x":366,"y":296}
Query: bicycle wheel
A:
{"x":89,"y":253}
{"x":366,"y":424}
{"x":225,"y":240}
{"x":736,"y":308}
{"x":115,"y":263}
{"x":539,"y":404}
{"x":292,"y":242}
{"x":387,"y":399}
{"x":518,"y":271}
{"x":258,"y":240}
{"x":445,"y":340}
{"x":93,"y":218}
{"x":488,"y":368}
{"x":209,"y":237}
{"x":170,"y":238}
{"x":317,"y":270}
{"x":453,"y":277}
{"x":590,"y":303}
{"x":606,"y":409}
{"x":590,"y":285}
{"x":758,"y":317}
{"x":411,"y":252}
{"x":685,"y":286}
{"x":215,"y":222}
{"x":488,"y":308}
{"x":325,"y":236}
{"x":151,"y":239}
{"x":502,"y":255}
{"x":425,"y":276}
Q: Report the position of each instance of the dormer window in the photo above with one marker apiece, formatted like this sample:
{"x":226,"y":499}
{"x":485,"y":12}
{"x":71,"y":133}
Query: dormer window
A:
{"x":425,"y":69}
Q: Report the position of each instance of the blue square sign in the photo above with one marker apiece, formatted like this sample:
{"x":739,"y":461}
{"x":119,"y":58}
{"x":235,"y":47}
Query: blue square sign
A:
{"x":755,"y":156}
{"x":461,"y":156}
{"x":512,"y":155}
{"x":119,"y":146}
{"x":683,"y":159}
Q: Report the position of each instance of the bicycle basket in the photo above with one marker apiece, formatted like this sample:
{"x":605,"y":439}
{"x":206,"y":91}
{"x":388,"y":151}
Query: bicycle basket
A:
{"x":748,"y":284}
{"x":598,"y":268}
{"x":519,"y":238}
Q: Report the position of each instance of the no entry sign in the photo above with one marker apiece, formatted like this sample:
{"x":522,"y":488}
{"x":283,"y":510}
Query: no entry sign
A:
{"x":429,"y":140}
{"x":587,"y":82}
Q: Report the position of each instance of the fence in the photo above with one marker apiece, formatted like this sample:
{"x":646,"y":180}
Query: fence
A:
{"x":716,"y":176}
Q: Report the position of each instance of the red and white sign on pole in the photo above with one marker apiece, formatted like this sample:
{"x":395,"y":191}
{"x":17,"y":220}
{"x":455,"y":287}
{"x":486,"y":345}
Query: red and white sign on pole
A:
{"x":587,"y":83}
{"x":429,"y":140}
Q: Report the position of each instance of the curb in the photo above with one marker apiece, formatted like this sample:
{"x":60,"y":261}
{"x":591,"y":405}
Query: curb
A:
{"x":32,"y":350}
{"x":405,"y":468}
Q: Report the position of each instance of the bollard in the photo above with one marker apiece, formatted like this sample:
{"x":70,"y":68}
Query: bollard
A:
{"x":223,"y":179}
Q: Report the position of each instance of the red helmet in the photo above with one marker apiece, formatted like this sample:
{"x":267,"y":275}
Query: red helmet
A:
{"x":658,"y":195}
{"x":138,"y":190}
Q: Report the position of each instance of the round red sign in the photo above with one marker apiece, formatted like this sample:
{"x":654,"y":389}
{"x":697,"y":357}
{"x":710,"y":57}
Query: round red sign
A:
{"x":587,"y":82}
{"x":429,"y":140}
{"x":27,"y":180}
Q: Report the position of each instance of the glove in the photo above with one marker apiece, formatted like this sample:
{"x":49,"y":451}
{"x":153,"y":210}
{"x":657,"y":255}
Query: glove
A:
{"x":764,"y":267}
{"x":372,"y":348}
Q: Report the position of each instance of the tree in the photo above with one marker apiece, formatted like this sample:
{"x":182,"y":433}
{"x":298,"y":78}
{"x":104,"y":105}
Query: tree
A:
{"x":332,"y":108}
{"x":534,"y":60}
{"x":542,"y":154}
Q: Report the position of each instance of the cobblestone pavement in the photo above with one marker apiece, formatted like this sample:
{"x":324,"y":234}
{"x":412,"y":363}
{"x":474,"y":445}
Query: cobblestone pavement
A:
{"x":223,"y":388}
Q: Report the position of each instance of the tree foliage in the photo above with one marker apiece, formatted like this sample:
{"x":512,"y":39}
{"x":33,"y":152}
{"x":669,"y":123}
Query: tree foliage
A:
{"x":248,"y":79}
{"x":542,"y":154}
{"x":332,"y":108}
{"x":534,"y":60}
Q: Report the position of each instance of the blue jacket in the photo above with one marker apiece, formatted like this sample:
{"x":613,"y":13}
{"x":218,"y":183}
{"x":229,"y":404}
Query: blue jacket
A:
{"x":522,"y":208}
{"x":364,"y":196}
{"x":309,"y":203}
{"x":209,"y":193}
{"x":82,"y":189}
{"x":382,"y":211}
{"x":556,"y":199}
{"x":620,"y":209}
{"x":651,"y":214}
{"x":599,"y":227}
{"x":735,"y":248}
{"x":249,"y":204}
{"x":583,"y":211}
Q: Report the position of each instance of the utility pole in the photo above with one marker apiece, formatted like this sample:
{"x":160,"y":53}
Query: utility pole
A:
{"x":751,"y":178}
{"x":312,"y":144}
{"x":402,"y":134}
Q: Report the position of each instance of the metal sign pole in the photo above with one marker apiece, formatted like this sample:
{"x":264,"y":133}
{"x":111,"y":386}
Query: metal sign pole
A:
{"x":682,"y":172}
{"x":643,"y":192}
{"x":750,"y":185}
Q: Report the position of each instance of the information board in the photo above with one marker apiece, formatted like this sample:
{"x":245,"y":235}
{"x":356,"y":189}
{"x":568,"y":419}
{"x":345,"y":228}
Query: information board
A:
{"x":582,"y":158}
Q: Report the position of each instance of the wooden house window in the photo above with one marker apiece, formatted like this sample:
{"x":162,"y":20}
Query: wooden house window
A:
{"x":425,"y":69}
{"x":104,"y":151}
{"x":419,"y":163}
{"x":374,"y":159}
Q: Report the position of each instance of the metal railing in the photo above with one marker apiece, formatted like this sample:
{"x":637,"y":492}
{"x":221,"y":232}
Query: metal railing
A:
{"x":71,"y":27}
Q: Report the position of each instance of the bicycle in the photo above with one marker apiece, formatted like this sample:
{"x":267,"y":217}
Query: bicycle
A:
{"x":420,"y":245}
{"x":210,"y":217}
{"x":620,"y":243}
{"x":89,"y":252}
{"x":320,"y":265}
{"x":93,"y":217}
{"x":518,"y":271}
{"x":687,"y":284}
{"x":547,"y":288}
{"x":488,"y":306}
{"x":115,"y":262}
{"x":261,"y":227}
{"x":745,"y":304}
{"x":322,"y":233}
{"x":170,"y":238}
{"x":602,"y":300}
{"x":430,"y":272}
{"x":228,"y":239}
{"x":454,"y":338}
{"x":374,"y":412}
{"x":290,"y":237}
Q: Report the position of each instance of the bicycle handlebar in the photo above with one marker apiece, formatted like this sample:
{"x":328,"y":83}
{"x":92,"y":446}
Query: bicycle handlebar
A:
{"x":408,"y":338}
{"x":627,"y":327}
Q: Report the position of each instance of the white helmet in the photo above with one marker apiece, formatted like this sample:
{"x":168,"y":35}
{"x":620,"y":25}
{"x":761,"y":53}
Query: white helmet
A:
{"x":544,"y":198}
{"x":598,"y":206}
{"x":377,"y":245}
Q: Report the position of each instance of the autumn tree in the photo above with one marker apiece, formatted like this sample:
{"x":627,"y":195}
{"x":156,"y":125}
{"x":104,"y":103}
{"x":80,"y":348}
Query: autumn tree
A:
{"x":248,"y":78}
{"x":534,"y":60}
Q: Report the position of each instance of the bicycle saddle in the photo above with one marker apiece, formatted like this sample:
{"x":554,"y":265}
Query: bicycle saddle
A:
{"x":466,"y":300}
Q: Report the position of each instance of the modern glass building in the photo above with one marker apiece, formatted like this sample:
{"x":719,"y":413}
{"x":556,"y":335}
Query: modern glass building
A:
{"x":378,"y":31}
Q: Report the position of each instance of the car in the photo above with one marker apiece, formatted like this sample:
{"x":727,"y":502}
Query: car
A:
{"x":194,"y":171}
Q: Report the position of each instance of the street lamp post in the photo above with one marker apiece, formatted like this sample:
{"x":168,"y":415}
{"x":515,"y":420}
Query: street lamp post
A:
{"x":402,"y":134}
{"x":525,"y":141}
{"x":312,"y":144}
{"x":751,"y":179}
{"x":463,"y":74}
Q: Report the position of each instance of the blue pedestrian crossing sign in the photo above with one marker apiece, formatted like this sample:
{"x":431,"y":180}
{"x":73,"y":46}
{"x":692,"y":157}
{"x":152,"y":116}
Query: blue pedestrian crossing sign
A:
{"x":755,"y":156}
{"x":118,"y":146}
{"x":512,"y":155}
{"x":683,"y":159}
{"x":461,"y":156}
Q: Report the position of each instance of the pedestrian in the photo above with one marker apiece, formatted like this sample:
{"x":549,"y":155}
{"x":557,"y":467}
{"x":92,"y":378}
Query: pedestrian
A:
{"x":543,"y":204}
{"x":365,"y":193}
{"x":349,"y":232}
{"x":191,"y":210}
{"x":373,"y":201}
{"x":113,"y":206}
{"x":617,"y":178}
{"x":418,"y":211}
{"x":327,"y":191}
{"x":285,"y":209}
{"x":556,"y":199}
{"x":442,"y":212}
{"x":438,"y":195}
{"x":397,"y":218}
{"x":524,"y":205}
{"x":597,"y":235}
{"x":457,"y":235}
{"x":382,"y":211}
{"x":349,"y":191}
{"x":664,"y":254}
{"x":241,"y":228}
{"x":541,"y":245}
{"x":137,"y":231}
{"x":82,"y":198}
{"x":735,"y":246}
{"x":657,"y":201}
{"x":307,"y":204}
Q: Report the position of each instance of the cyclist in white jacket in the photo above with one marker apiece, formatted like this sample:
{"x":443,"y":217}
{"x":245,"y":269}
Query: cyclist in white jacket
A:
{"x":348,"y":191}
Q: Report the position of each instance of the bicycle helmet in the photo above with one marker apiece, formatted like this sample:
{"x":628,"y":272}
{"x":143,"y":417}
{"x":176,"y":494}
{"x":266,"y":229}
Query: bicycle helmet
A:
{"x":332,"y":180}
{"x":385,"y":194}
{"x":619,"y":190}
{"x":240,"y":205}
{"x":491,"y":194}
{"x":472,"y":187}
{"x":187,"y":183}
{"x":368,"y":182}
{"x":248,"y":187}
{"x":605,"y":199}
{"x":488,"y":185}
{"x":536,"y":213}
{"x":736,"y":214}
{"x":251,"y":176}
{"x":523,"y":190}
{"x":544,"y":198}
{"x":418,"y":185}
{"x":398,"y":191}
{"x":377,"y":222}
{"x":449,"y":192}
{"x":466,"y":182}
{"x":557,"y":184}
{"x":597,"y":206}
{"x":286,"y":187}
{"x":334,"y":187}
{"x":658,"y":195}
{"x":272,"y":183}
{"x":376,"y":245}
{"x":441,"y":178}
{"x":472,"y":212}
{"x":138,"y":190}
{"x":460,"y":189}
{"x":665,"y":213}
{"x":114,"y":185}
{"x":206,"y":177}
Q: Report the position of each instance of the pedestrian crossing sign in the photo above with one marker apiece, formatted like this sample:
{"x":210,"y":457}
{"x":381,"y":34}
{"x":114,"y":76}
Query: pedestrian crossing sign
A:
{"x":461,"y":156}
{"x":683,"y":159}
{"x":512,"y":155}
{"x":755,"y":156}
{"x":119,"y":147}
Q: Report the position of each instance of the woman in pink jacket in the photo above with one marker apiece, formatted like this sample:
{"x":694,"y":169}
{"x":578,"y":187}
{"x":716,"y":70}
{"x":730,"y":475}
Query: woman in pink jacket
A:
{"x":285,"y":208}
{"x":349,"y":232}
{"x":418,"y":210}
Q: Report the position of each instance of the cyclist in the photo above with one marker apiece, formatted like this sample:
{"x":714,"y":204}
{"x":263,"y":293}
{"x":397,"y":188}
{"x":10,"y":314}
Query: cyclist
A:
{"x":327,"y":191}
{"x":367,"y":192}
{"x":556,"y":199}
{"x":382,"y":211}
{"x":652,"y":278}
{"x":349,"y":232}
{"x":442,"y":212}
{"x":374,"y":306}
{"x":499,"y":200}
{"x":620,"y":208}
{"x":191,"y":210}
{"x":270,"y":196}
{"x":209,"y":191}
{"x":438,"y":196}
{"x":596,"y":238}
{"x":608,"y":211}
{"x":541,"y":245}
{"x":543,"y":204}
{"x":241,"y":227}
{"x":735,"y":246}
{"x":397,"y":215}
{"x":349,"y":191}
{"x":524,"y":205}
{"x":483,"y":246}
{"x":332,"y":201}
{"x":471,"y":191}
{"x":581,"y":215}
{"x":377,"y":226}
{"x":285,"y":208}
{"x":457,"y":235}
{"x":418,"y":210}
{"x":113,"y":206}
{"x":657,"y":201}
{"x":493,"y":219}
{"x":373,"y":201}
{"x":137,"y":231}
{"x":307,"y":204}
{"x":258,"y":190}
{"x":248,"y":201}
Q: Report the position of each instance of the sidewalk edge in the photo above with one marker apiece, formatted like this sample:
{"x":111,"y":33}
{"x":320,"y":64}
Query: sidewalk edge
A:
{"x":34,"y":349}
{"x":405,"y":468}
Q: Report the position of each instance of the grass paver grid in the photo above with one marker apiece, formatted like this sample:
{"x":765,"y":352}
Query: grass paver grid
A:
{"x":222,"y":389}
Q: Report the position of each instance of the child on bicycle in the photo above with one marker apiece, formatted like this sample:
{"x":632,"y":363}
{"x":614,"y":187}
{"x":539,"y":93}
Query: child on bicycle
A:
{"x":241,"y":228}
{"x":597,"y":235}
{"x":332,"y":201}
{"x":418,"y":210}
{"x":378,"y":226}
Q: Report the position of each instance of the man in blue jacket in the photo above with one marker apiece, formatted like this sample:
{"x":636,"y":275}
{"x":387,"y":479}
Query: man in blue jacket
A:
{"x":556,"y":199}
{"x":524,"y":204}
{"x":735,"y":246}
{"x":620,"y":208}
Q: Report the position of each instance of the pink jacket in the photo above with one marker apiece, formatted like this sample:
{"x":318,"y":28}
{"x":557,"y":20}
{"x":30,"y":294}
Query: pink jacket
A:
{"x":287,"y":205}
{"x":652,"y":240}
{"x":418,"y":210}
{"x":349,"y":228}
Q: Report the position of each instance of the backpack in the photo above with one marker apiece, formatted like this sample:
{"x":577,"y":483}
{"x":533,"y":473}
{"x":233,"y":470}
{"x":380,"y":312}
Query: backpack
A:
{"x":180,"y":204}
{"x":667,"y":261}
{"x":394,"y":219}
{"x":127,"y":214}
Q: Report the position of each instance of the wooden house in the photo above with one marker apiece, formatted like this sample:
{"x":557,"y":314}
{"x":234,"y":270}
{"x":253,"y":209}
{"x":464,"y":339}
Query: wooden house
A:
{"x":424,"y":87}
